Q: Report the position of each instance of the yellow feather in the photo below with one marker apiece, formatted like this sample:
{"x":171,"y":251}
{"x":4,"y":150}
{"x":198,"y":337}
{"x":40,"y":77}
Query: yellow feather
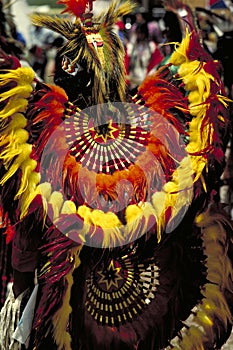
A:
{"x":85,"y":213}
{"x":45,"y":190}
{"x":204,"y":319}
{"x":16,"y":152}
{"x":194,"y":340}
{"x":132,"y":213}
{"x":197,"y":82}
{"x":105,"y":220}
{"x":18,"y":122}
{"x":68,"y":208}
{"x":24,"y":154}
{"x":110,"y":225}
{"x":23,"y":75}
{"x":56,"y":201}
{"x":15,"y":138}
{"x":179,"y":55}
{"x":23,"y":91}
{"x":30,"y":193}
{"x":61,"y":318}
{"x":28,"y":166}
{"x":138,"y":220}
{"x":14,"y":105}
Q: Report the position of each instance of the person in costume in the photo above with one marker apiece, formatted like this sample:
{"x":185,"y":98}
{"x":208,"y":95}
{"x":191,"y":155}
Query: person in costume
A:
{"x":117,"y":242}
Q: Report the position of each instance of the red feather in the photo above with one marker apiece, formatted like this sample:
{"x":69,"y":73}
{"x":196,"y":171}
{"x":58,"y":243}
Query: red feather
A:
{"x":195,"y":51}
{"x":10,"y":233}
{"x":48,"y":111}
{"x":76,"y":7}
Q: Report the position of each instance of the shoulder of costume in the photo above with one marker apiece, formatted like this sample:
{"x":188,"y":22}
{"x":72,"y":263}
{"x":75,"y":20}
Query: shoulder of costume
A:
{"x":26,"y":105}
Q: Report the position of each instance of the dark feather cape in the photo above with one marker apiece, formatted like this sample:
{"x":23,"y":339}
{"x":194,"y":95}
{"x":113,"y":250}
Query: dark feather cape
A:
{"x":117,"y":210}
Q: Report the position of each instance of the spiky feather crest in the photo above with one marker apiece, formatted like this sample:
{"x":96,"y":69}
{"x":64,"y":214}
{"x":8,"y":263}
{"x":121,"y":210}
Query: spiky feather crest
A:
{"x":107,"y":63}
{"x":115,"y":11}
{"x":70,"y":30}
{"x":104,"y":19}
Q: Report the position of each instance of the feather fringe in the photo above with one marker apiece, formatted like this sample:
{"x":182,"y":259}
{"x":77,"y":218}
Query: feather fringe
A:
{"x":208,"y":103}
{"x":46,"y":115}
{"x":61,"y":318}
{"x":61,"y":255}
{"x":9,"y":318}
{"x":15,"y":151}
{"x":210,"y":318}
{"x":60,"y":252}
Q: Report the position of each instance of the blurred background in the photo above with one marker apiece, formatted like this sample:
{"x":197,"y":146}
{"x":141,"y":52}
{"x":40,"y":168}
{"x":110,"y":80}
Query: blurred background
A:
{"x":150,"y":8}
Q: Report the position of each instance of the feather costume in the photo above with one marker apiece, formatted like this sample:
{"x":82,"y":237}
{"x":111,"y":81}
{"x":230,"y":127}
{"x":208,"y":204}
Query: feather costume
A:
{"x":113,"y":197}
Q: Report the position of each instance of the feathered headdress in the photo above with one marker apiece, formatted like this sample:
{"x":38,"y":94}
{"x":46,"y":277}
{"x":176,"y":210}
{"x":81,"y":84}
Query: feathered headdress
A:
{"x":93,"y":46}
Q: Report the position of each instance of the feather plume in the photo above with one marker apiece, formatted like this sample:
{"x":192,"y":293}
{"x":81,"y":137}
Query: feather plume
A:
{"x":210,"y":318}
{"x":46,"y":114}
{"x":61,"y":255}
{"x":115,"y":11}
{"x":75,"y":7}
{"x":61,"y":318}
{"x":16,"y":151}
{"x":56,"y":24}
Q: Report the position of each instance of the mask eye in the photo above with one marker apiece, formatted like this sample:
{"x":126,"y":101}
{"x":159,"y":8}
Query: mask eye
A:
{"x":69,"y":67}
